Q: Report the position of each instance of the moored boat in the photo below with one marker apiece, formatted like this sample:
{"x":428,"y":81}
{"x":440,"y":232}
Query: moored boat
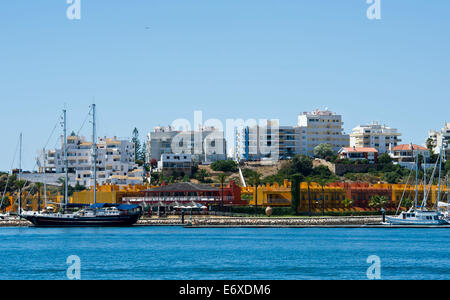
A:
{"x":421,"y":215}
{"x":418,"y":217}
{"x":98,"y":214}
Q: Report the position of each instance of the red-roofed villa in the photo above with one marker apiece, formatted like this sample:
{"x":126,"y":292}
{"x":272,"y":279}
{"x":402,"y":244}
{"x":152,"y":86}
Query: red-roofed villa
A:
{"x":357,"y":153}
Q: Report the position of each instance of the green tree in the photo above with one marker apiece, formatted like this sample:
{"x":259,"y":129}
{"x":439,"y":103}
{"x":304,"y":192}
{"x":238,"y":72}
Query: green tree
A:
{"x":407,"y":202}
{"x":70,"y":189}
{"x":4,"y":203}
{"x":295,"y":192}
{"x":78,"y":188}
{"x":322,"y":172}
{"x":222,"y":178}
{"x":323,"y":182}
{"x":38,"y":186}
{"x":447,"y":166}
{"x":302,"y":164}
{"x":224,"y":166}
{"x":430,"y":145}
{"x":255,"y":181}
{"x":384,"y":159}
{"x":137,"y":146}
{"x":201,"y":175}
{"x":143,"y":152}
{"x":391,"y":177}
{"x":378,"y":201}
{"x":20,"y":184}
{"x":248,"y":173}
{"x":347,"y":202}
{"x":62,"y":184}
{"x":323,"y":151}
{"x":308,"y":181}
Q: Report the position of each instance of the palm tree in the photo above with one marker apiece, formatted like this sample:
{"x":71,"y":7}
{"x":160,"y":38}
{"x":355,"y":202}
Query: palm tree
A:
{"x":348,"y":202}
{"x":308,"y":181}
{"x":20,"y":184}
{"x":62,"y":182}
{"x":38,"y":186}
{"x":256,"y":180}
{"x":201,"y":175}
{"x":295,"y":192}
{"x":5,"y":202}
{"x":323,"y":182}
{"x":407,"y":202}
{"x":378,"y":201}
{"x":222,"y":178}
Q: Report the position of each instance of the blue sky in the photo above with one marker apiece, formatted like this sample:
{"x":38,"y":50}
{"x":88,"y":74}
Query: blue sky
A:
{"x":150,"y":62}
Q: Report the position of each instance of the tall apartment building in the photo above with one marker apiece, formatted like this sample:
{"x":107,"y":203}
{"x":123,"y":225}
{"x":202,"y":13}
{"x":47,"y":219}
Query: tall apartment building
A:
{"x":439,"y":136}
{"x":206,"y":144}
{"x":115,"y":161}
{"x":376,"y":136}
{"x":266,"y":142}
{"x":283,"y":142}
{"x":321,"y":127}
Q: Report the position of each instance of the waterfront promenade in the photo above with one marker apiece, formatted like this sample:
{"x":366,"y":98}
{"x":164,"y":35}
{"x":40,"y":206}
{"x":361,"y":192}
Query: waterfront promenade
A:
{"x":205,"y":221}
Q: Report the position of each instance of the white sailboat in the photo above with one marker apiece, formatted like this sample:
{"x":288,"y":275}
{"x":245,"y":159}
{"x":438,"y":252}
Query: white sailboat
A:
{"x":444,"y":207}
{"x":421,"y":216}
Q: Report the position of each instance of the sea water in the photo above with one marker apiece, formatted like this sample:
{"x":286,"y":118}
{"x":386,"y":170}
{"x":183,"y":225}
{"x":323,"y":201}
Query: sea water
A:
{"x":225,"y":254}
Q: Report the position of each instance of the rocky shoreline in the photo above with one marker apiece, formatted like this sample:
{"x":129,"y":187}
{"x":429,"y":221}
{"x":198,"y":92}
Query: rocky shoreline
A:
{"x":14,"y":223}
{"x":239,"y":222}
{"x":286,"y":222}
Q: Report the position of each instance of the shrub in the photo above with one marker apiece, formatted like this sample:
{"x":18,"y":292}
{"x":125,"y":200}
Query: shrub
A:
{"x":302,"y":164}
{"x":384,"y":159}
{"x":323,"y":151}
{"x":391,"y":177}
{"x":248,"y":173}
{"x":322,"y":172}
{"x":224,"y":166}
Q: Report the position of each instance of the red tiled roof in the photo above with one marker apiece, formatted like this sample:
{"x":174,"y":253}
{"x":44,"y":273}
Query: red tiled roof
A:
{"x":407,"y":147}
{"x":361,"y":150}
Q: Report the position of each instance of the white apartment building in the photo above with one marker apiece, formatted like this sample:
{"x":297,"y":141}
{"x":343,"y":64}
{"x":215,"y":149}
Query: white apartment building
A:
{"x":206,"y":144}
{"x":380,"y":137}
{"x":321,"y":127}
{"x":268,"y":142}
{"x":406,"y":155}
{"x":176,"y":163}
{"x":437,"y":137}
{"x":274,"y":142}
{"x":114,"y":158}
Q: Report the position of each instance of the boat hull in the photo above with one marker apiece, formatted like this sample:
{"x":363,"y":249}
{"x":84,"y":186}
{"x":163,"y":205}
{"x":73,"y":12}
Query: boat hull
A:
{"x":98,"y":221}
{"x":399,"y":221}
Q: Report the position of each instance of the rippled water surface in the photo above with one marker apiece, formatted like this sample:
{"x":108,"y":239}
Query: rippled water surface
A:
{"x":178,"y":253}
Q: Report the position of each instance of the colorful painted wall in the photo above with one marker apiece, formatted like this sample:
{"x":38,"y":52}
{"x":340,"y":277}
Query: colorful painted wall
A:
{"x":332,"y":196}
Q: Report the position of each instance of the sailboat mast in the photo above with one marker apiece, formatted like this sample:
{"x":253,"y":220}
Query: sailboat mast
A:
{"x":424,"y":204}
{"x":448,"y":173}
{"x":66,"y":162}
{"x":417,"y":178}
{"x":440,"y":171}
{"x":44,"y":158}
{"x":448,"y":188}
{"x":94,"y":150}
{"x":20,"y":176}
